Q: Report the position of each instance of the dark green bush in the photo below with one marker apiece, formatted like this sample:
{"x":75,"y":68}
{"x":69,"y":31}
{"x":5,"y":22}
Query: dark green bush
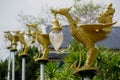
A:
{"x":108,"y":63}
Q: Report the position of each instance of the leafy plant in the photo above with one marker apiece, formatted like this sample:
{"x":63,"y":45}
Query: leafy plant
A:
{"x":3,"y":69}
{"x":108,"y":62}
{"x":51,"y":69}
{"x":87,"y":12}
{"x":30,"y":65}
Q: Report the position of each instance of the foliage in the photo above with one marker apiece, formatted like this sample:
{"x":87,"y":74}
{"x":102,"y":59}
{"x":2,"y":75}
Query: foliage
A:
{"x":77,"y":51}
{"x":64,"y":73}
{"x":31,"y":66}
{"x":51,"y":68}
{"x":25,"y":19}
{"x":3,"y":69}
{"x":44,"y":17}
{"x":86,"y":12}
{"x":107,"y":62}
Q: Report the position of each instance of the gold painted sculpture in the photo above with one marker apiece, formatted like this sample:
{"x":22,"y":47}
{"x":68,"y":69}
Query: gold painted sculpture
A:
{"x":24,"y":43}
{"x":18,"y":37}
{"x":8,"y":35}
{"x":43,"y":39}
{"x":13,"y":39}
{"x":89,"y":34}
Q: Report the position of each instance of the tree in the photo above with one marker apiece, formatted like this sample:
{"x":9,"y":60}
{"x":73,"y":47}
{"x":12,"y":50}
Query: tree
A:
{"x":25,"y":19}
{"x":86,"y":12}
{"x":108,"y":62}
{"x":44,"y":17}
{"x":3,"y":69}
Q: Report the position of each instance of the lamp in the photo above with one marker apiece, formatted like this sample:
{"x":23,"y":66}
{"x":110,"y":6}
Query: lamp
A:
{"x":15,"y":39}
{"x":11,"y":39}
{"x":28,"y":36}
{"x":7,"y":39}
{"x":56,"y":34}
{"x":8,"y":45}
{"x":25,"y":39}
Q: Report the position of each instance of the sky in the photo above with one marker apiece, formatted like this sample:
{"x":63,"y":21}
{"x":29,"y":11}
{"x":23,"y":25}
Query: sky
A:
{"x":9,"y":10}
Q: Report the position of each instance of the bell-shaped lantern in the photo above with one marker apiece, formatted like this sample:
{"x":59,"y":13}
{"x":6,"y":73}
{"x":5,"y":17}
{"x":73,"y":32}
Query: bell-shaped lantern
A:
{"x":28,"y":36}
{"x":56,"y":34}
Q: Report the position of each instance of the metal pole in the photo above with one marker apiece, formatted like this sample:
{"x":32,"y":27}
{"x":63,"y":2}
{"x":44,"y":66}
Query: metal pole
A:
{"x":13,"y":66}
{"x":87,"y":78}
{"x":41,"y":71}
{"x":23,"y":68}
{"x":9,"y":60}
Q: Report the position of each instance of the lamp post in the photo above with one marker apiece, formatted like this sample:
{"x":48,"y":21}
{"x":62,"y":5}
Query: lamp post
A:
{"x":13,"y":49}
{"x":43,"y":40}
{"x":88,"y":35}
{"x":38,"y":59}
{"x":25,"y":39}
{"x":7,"y":42}
{"x":56,"y":36}
{"x":23,"y":56}
{"x":9,"y":61}
{"x":13,"y":65}
{"x":12,"y":38}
